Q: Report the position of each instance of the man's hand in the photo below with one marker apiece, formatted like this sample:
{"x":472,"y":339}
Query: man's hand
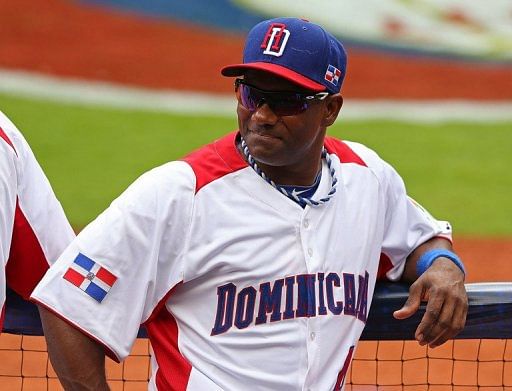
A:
{"x":442,"y":287}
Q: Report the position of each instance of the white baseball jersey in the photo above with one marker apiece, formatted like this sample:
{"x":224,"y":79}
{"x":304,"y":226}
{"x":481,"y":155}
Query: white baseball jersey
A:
{"x":33,"y":228}
{"x":238,"y":286}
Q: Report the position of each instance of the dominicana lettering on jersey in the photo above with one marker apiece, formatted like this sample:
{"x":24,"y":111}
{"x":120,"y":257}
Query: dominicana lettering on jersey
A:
{"x":303,"y":295}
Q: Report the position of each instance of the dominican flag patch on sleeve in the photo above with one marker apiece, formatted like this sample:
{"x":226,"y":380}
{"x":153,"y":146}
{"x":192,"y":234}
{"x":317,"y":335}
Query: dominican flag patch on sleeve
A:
{"x":90,"y":277}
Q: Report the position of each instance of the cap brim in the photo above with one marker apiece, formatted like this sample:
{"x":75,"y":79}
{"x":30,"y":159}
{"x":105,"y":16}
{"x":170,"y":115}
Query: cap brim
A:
{"x":278,"y":70}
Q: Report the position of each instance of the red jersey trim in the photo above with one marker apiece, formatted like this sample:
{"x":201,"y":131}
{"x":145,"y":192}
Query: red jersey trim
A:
{"x":160,"y":306}
{"x":109,"y":352}
{"x":7,"y":140}
{"x":2,"y":316}
{"x":27,"y":262}
{"x":344,"y":152}
{"x":221,"y":157}
{"x":174,"y":369}
{"x":215,"y":160}
{"x":385,"y":265}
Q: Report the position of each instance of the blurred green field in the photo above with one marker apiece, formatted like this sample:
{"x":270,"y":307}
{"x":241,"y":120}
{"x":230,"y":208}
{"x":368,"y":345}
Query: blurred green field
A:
{"x":459,"y":171}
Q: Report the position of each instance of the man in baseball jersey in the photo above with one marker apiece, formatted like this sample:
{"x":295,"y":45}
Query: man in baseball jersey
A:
{"x":252,"y":262}
{"x":33,"y":228}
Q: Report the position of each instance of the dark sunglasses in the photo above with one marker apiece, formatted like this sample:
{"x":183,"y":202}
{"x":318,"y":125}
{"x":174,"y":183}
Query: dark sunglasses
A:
{"x":282,"y":103}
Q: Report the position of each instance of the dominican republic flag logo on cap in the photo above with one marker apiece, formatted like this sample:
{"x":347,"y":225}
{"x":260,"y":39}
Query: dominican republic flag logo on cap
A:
{"x":332,"y":75}
{"x":90,"y":277}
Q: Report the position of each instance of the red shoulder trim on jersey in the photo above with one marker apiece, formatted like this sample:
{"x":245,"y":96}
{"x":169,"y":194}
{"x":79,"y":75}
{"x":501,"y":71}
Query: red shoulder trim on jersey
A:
{"x":344,"y":152}
{"x":173,"y":369}
{"x":27,"y":263}
{"x":109,"y":352}
{"x":7,"y":140}
{"x":215,"y":160}
{"x":385,"y":266}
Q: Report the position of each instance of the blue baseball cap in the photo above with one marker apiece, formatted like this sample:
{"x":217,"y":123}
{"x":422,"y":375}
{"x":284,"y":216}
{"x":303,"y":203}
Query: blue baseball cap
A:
{"x":297,"y":50}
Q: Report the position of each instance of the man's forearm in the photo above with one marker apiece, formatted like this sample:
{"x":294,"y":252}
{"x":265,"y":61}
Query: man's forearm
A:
{"x":78,"y":360}
{"x":410,"y":274}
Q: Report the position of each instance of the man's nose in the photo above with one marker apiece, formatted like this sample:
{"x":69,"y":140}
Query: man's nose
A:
{"x":264,"y":114}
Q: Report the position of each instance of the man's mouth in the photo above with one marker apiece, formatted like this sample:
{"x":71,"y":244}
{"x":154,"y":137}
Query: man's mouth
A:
{"x":263,"y":133}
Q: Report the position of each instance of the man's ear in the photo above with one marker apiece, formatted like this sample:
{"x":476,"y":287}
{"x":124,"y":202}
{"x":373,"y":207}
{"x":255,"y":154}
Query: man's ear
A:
{"x":332,"y":108}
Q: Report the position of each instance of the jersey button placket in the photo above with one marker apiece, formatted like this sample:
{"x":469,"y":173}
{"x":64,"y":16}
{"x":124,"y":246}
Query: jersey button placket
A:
{"x":306,"y":239}
{"x":312,"y":348}
{"x":305,"y":223}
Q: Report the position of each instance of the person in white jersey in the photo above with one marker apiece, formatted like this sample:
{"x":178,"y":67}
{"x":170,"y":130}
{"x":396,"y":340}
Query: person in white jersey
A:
{"x":252,"y":262}
{"x":33,"y":227}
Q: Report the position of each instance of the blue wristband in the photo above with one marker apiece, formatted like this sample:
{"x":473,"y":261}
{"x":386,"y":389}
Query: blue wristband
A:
{"x":428,"y":257}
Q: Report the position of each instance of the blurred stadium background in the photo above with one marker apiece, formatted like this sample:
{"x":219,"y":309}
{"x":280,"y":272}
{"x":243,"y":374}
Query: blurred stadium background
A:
{"x":106,"y":89}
